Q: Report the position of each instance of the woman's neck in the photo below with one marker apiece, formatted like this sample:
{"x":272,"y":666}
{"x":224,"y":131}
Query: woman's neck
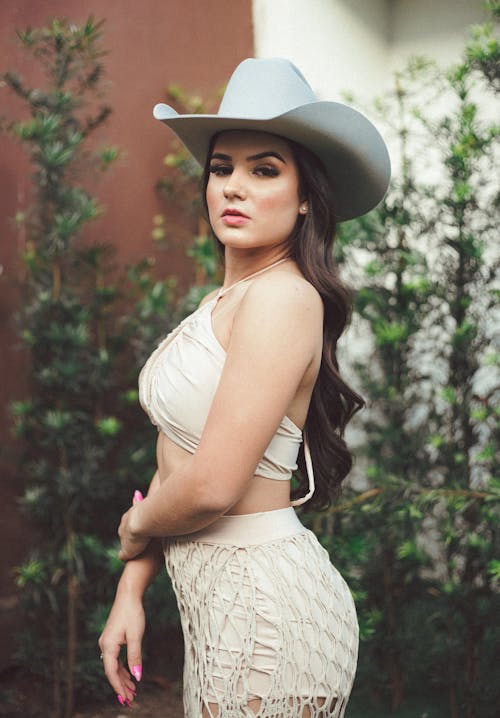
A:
{"x":237,"y":266}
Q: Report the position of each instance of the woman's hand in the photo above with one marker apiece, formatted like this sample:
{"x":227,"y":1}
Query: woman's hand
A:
{"x":131,"y":545}
{"x":126,"y":621}
{"x":125,"y":626}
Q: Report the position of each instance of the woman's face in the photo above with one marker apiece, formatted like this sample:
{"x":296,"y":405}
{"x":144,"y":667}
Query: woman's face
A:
{"x":253,"y":190}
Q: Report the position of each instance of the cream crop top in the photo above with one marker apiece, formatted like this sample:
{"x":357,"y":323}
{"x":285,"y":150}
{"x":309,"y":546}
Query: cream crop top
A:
{"x":178,"y":383}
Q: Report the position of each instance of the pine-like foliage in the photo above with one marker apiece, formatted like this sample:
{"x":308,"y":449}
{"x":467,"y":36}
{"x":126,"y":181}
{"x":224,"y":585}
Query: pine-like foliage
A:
{"x":419,"y":537}
{"x":86,"y":330}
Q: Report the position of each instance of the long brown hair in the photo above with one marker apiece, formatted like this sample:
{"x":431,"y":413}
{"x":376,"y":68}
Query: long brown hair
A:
{"x":333,"y":402}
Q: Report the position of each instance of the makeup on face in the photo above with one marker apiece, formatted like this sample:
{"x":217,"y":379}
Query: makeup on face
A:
{"x":252,"y":190}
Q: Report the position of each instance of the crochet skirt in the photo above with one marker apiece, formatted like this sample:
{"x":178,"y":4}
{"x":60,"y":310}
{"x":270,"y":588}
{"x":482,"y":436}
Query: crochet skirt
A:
{"x":269,"y":624}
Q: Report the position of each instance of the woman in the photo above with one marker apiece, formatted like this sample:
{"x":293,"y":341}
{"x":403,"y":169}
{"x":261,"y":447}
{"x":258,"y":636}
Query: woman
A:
{"x":269,"y":625}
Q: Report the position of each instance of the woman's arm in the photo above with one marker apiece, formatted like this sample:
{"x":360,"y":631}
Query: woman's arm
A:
{"x":139,"y":573}
{"x":126,"y":621}
{"x":276,"y":333}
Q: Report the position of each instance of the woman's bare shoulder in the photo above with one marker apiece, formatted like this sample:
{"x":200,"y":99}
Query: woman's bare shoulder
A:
{"x":285,"y":292}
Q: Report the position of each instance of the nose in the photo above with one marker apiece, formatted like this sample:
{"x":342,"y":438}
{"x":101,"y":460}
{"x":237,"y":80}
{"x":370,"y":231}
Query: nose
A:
{"x":234,"y":186}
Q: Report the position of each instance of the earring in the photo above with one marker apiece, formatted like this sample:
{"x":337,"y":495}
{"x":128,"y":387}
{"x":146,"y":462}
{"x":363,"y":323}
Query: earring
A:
{"x":303,"y":208}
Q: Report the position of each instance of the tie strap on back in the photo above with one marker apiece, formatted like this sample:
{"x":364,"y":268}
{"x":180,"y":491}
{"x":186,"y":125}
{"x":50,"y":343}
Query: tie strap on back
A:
{"x":310,"y":476}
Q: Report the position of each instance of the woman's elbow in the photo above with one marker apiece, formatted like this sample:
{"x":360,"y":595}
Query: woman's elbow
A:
{"x":214,"y":495}
{"x":212,"y":501}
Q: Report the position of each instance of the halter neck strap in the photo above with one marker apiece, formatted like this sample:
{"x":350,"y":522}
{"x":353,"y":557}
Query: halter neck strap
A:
{"x":223,"y":290}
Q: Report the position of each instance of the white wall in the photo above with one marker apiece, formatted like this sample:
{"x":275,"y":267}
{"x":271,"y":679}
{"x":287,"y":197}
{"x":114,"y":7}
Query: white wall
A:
{"x":338,"y":45}
{"x":356,"y":45}
{"x":435,"y":28}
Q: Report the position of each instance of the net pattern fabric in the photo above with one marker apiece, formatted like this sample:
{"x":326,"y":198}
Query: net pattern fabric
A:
{"x":270,"y":630}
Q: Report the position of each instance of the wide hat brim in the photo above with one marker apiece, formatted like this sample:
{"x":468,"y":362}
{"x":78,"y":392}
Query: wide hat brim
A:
{"x":351,"y":148}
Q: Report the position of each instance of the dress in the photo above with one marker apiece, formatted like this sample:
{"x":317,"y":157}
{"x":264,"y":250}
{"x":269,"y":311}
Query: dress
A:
{"x":269,"y":625}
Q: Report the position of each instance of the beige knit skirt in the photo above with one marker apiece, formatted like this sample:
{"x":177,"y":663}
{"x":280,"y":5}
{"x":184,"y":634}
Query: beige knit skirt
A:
{"x":269,"y":625}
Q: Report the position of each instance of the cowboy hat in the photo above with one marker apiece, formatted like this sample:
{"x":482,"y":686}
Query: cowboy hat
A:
{"x":271,"y":95}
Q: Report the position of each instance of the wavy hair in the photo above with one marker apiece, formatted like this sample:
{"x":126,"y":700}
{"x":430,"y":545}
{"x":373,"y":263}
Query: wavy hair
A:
{"x":333,"y":401}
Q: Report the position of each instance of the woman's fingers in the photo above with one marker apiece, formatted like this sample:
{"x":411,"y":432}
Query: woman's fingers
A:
{"x":131,"y":546}
{"x":124,"y":627}
{"x":131,"y":549}
{"x":111,"y":664}
{"x":134,"y":658}
{"x":118,"y":676}
{"x":134,"y":645}
{"x":128,"y":684}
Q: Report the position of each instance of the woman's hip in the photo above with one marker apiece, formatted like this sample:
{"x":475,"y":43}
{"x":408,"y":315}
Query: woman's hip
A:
{"x":263,"y":610}
{"x":269,"y":559}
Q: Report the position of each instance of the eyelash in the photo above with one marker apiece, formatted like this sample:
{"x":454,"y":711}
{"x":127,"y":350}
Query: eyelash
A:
{"x":220,"y":170}
{"x":260,"y":170}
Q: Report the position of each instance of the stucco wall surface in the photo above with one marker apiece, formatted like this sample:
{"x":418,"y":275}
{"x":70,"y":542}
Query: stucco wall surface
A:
{"x":355,"y":46}
{"x":338,"y":45}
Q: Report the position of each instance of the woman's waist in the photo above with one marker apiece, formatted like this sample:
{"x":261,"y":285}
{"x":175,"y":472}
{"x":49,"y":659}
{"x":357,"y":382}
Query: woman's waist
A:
{"x":261,"y":493}
{"x":170,"y":456}
{"x":278,"y":462}
{"x":249,"y":529}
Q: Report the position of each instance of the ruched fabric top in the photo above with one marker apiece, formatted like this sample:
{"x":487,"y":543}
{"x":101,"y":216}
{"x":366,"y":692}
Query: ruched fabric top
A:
{"x":178,"y":383}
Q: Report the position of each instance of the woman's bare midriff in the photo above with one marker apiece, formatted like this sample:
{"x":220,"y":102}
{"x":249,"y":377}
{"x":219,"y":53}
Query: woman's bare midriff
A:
{"x":262,"y":494}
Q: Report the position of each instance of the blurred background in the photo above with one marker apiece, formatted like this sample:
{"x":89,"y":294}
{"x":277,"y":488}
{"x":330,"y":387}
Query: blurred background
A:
{"x":104,"y":248}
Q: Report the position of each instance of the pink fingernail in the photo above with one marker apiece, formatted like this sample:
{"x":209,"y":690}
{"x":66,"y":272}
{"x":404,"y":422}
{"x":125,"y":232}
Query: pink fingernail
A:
{"x":120,"y":699}
{"x":137,"y":671}
{"x":138,"y":496}
{"x":128,"y":702}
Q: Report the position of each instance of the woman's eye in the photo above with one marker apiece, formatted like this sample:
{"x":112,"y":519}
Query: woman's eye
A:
{"x":266,"y":171}
{"x":220,"y":170}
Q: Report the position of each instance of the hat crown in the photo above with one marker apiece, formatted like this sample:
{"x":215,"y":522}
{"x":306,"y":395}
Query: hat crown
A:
{"x":271,"y":95}
{"x":265,"y":87}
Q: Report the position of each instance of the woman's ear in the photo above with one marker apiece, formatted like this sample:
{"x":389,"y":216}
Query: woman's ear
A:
{"x":303,"y":207}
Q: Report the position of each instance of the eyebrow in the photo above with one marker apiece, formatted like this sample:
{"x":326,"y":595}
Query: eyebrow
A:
{"x":251,"y":158}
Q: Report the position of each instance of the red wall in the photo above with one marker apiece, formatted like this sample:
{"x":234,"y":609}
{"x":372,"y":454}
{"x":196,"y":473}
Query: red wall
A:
{"x":151,"y":43}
